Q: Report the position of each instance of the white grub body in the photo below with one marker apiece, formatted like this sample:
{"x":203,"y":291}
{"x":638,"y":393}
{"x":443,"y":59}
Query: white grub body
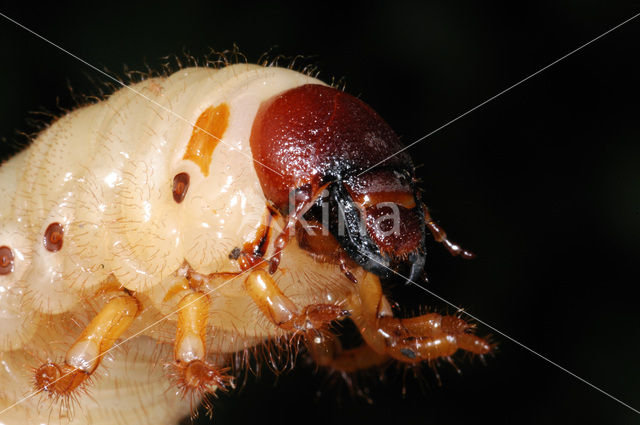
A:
{"x":105,"y":172}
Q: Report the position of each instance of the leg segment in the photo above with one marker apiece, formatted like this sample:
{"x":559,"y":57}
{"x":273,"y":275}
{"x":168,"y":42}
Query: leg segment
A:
{"x":440,"y":236}
{"x":84,"y":356}
{"x":326,"y":351}
{"x":193,"y":372}
{"x":323,"y":346}
{"x":412,"y":340}
{"x":281,"y":311}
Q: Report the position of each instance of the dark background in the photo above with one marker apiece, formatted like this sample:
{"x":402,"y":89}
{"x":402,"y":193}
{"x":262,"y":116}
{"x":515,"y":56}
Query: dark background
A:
{"x":543,"y":182}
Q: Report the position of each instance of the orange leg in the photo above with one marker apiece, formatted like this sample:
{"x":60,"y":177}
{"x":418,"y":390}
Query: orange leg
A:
{"x":412,"y":340}
{"x":281,"y":311}
{"x":441,"y":236}
{"x":325,"y":349}
{"x":84,"y":356}
{"x":193,"y":374}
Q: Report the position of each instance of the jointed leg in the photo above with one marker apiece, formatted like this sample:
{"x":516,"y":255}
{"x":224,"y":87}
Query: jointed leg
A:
{"x":412,"y":340}
{"x":281,"y":311}
{"x":84,"y":356}
{"x":194,"y":373}
{"x":325,"y":349}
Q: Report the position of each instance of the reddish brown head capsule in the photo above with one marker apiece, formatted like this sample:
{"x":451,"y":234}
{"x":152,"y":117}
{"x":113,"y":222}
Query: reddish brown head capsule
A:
{"x":53,"y":237}
{"x":314,"y":137}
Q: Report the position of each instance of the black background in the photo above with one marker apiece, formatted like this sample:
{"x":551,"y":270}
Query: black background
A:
{"x":542,"y":182}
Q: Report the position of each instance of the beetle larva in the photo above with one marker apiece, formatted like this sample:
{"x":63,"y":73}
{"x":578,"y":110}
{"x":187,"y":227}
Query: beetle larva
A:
{"x":124,"y":221}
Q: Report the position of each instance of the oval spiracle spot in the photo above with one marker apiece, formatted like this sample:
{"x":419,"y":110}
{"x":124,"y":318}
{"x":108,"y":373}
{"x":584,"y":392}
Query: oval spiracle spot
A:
{"x":53,"y":237}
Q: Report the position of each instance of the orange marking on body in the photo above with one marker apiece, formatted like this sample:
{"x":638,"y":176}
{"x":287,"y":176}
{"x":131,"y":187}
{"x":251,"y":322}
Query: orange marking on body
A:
{"x":208,"y":131}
